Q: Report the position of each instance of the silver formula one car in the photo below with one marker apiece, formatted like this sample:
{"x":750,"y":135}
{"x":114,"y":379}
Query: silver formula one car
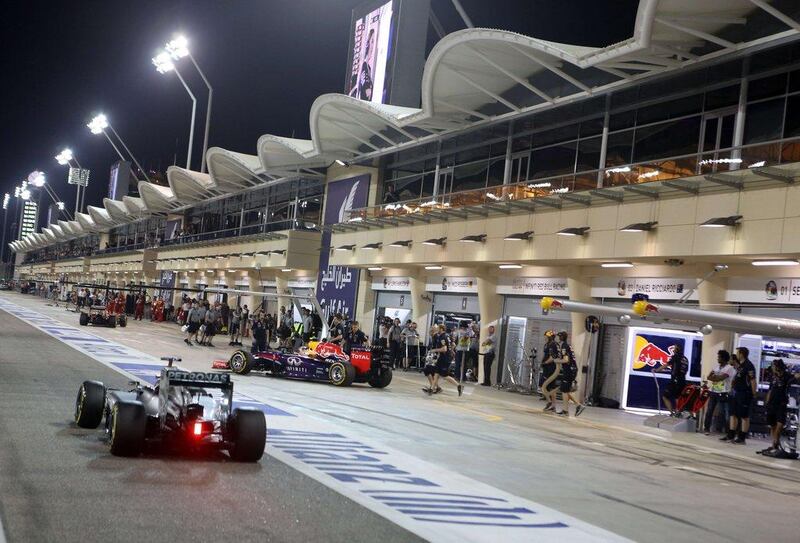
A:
{"x":185,"y":411}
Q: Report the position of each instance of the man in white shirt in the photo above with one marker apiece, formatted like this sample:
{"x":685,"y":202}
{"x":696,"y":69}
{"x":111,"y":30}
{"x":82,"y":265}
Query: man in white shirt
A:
{"x":721,"y":378}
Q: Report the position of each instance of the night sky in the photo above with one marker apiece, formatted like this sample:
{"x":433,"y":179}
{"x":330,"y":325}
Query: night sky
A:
{"x":268,"y":60}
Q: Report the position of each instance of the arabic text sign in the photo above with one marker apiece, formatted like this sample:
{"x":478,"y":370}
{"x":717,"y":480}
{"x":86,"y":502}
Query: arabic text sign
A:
{"x":338,"y":285}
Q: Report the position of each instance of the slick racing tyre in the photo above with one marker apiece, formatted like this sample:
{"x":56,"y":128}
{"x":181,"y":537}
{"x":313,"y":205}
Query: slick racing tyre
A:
{"x":241,"y":362}
{"x":123,"y":321}
{"x":342,"y":374}
{"x":127,"y":428}
{"x":382,"y":380}
{"x":84,"y":319}
{"x":89,"y":404}
{"x":112,"y":322}
{"x":247,"y":435}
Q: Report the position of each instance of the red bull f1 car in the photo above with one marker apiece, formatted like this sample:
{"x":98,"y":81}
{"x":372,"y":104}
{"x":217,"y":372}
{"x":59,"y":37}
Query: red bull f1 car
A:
{"x":324,"y":362}
{"x":99,"y":316}
{"x":186,"y":411}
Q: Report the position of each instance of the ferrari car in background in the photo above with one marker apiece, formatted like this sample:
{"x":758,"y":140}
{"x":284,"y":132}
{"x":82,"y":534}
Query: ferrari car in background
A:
{"x":324,"y":362}
{"x":186,"y":411}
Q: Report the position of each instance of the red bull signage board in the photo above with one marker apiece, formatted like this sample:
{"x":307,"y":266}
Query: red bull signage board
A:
{"x":655,"y":288}
{"x":648,"y":351}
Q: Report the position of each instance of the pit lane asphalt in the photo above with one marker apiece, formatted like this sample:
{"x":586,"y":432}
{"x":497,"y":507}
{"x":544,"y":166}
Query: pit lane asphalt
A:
{"x":59,"y":482}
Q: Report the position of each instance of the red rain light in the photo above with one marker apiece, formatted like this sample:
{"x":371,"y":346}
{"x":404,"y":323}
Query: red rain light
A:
{"x":198,"y":428}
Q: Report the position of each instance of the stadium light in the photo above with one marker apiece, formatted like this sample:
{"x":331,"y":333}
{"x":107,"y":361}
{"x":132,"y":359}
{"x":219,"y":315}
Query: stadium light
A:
{"x":37,"y":179}
{"x":64,"y":157}
{"x":163,"y":62}
{"x":60,"y":206}
{"x":98,"y":124}
{"x":25,"y":194}
{"x":176,"y":49}
{"x":6,"y":198}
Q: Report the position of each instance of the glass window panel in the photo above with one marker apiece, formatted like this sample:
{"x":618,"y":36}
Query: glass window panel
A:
{"x":591,"y":127}
{"x":409,"y":188}
{"x":470,"y":176}
{"x":555,"y":160}
{"x":710,"y":135}
{"x":724,"y":97}
{"x":667,"y":139}
{"x":427,"y":184}
{"x":618,"y":121}
{"x":766,"y":87}
{"x":471,"y":155}
{"x":521,"y":143}
{"x":588,"y":154}
{"x":670,"y":110}
{"x":794,"y":81}
{"x":618,"y":150}
{"x":555,"y":135}
{"x":792,"y":127}
{"x":763,"y":121}
{"x":497,"y":168}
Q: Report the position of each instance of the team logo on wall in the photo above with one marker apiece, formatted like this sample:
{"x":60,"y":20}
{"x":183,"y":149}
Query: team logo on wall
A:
{"x":652,"y":352}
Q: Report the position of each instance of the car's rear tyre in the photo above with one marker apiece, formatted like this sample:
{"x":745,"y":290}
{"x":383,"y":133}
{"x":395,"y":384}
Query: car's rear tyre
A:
{"x":123,"y":321}
{"x":241,"y":362}
{"x":84,"y":319}
{"x":342,"y":374}
{"x":382,"y":380}
{"x":247,"y":435}
{"x":127,"y":428}
{"x":89,"y":404}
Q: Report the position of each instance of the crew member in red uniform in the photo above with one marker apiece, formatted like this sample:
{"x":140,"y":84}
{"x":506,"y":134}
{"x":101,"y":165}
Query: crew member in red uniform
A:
{"x":139,"y":311}
{"x":158,"y":310}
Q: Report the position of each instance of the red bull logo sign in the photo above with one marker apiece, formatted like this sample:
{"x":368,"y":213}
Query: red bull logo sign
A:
{"x":649,"y":356}
{"x":330,"y":350}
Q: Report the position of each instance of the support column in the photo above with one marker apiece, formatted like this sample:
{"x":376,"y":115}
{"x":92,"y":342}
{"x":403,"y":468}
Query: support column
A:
{"x":254,"y":284}
{"x":491,"y":307}
{"x":364,"y":312}
{"x":712,"y":293}
{"x":282,"y":283}
{"x":421,"y":303}
{"x":579,"y":288}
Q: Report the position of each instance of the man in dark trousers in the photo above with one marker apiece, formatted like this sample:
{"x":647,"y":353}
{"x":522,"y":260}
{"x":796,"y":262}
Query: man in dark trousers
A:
{"x":488,"y":356}
{"x":743,"y":390}
{"x":259,"y":336}
{"x":678,"y":366}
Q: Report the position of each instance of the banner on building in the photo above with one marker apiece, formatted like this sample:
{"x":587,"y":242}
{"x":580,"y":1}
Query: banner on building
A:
{"x":757,"y":290}
{"x":402,"y":284}
{"x":337,"y":286}
{"x":656,"y":288}
{"x":532,"y":286}
{"x":451,"y":284}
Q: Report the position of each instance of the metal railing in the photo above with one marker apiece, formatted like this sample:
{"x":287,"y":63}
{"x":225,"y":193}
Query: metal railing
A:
{"x":717,"y":161}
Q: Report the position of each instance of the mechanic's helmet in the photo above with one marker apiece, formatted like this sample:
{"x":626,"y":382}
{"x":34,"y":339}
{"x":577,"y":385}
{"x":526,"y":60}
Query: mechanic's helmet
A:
{"x":549,"y":334}
{"x":312,"y":345}
{"x":562,"y":335}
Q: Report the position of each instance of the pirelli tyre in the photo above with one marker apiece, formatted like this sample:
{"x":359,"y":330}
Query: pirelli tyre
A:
{"x":382,"y":379}
{"x":123,"y":321}
{"x":128,"y":421}
{"x":342,"y":374}
{"x":247,"y":435}
{"x":89,"y":404}
{"x":241,"y":362}
{"x":112,"y":321}
{"x":83,"y":319}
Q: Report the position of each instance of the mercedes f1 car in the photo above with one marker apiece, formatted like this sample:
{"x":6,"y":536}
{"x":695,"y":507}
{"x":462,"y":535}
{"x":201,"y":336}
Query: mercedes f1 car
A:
{"x":318,"y":362}
{"x":99,"y":316}
{"x":186,"y":411}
